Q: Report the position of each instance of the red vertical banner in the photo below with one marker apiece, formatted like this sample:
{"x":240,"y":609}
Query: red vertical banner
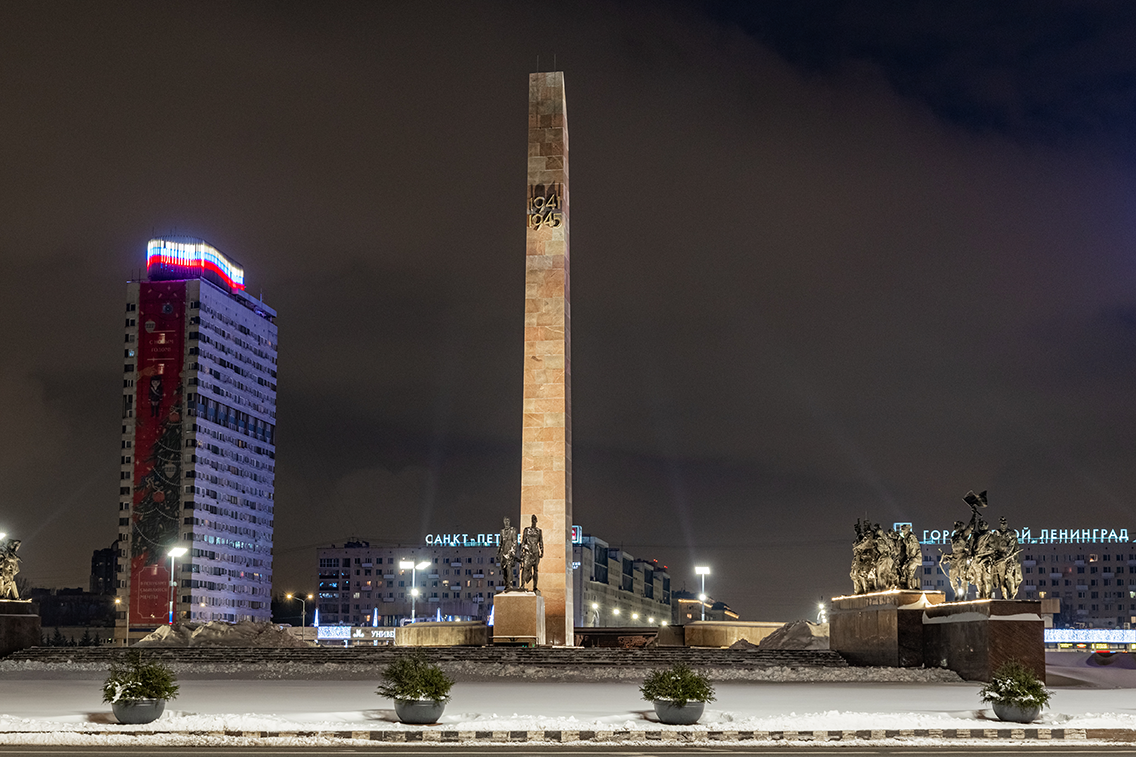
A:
{"x":158,"y":411}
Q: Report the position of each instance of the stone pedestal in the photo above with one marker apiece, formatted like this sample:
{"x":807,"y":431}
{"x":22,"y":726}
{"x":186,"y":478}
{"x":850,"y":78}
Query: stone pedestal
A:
{"x":974,"y":638}
{"x":518,"y":618}
{"x":882,"y":628}
{"x":468,"y":633}
{"x":19,"y":626}
{"x":722,"y":633}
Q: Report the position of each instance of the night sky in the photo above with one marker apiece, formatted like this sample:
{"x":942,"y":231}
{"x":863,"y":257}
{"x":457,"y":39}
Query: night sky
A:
{"x":829,"y":260}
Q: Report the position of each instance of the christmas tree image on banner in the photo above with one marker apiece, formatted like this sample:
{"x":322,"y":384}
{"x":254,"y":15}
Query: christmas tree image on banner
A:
{"x":157,"y":504}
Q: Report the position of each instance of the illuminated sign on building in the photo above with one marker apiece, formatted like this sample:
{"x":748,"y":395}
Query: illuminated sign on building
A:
{"x":332,"y":633}
{"x":1090,"y":636}
{"x":187,"y":259}
{"x":1047,"y":536}
{"x":356,"y":633}
{"x":463,"y":540}
{"x":483,"y":540}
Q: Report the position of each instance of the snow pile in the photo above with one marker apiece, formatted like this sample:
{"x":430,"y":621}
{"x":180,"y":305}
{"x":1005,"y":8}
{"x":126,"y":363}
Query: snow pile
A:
{"x":218,"y":633}
{"x":481,"y":672}
{"x":801,"y":634}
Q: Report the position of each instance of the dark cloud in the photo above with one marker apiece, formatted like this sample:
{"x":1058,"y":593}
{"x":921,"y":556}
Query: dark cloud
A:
{"x":829,"y":260}
{"x":1057,"y":71}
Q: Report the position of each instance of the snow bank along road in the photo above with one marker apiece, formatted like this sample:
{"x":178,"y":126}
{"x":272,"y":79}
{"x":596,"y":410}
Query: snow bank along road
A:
{"x":67,"y":709}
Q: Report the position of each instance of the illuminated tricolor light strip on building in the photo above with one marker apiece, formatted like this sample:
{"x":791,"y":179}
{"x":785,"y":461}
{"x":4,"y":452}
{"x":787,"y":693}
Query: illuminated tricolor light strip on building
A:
{"x":193,"y":255}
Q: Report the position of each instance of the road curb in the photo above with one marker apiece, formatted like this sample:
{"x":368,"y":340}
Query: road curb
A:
{"x":442,"y":735}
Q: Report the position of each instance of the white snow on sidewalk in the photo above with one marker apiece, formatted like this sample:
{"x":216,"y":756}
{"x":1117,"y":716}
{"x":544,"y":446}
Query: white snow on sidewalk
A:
{"x":247,"y":705}
{"x":49,"y":707}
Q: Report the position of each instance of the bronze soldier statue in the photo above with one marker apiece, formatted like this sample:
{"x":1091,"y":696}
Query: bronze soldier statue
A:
{"x":1007,"y":561}
{"x":532,"y":549}
{"x":958,"y":560}
{"x":885,"y":560}
{"x":982,"y":561}
{"x":863,"y":559}
{"x":507,"y":554}
{"x":911,"y":558}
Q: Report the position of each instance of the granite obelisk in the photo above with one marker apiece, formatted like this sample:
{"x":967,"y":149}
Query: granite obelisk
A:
{"x":546,"y":450}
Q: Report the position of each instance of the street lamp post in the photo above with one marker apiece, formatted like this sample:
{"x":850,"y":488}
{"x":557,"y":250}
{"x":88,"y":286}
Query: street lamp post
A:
{"x":703,"y":571}
{"x":303,"y":608}
{"x":413,"y":568}
{"x":174,"y":554}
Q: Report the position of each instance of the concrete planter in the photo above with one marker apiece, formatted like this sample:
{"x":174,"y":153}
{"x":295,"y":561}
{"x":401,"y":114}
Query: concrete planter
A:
{"x":670,"y":713}
{"x":138,"y":711}
{"x":418,"y":711}
{"x":1014,"y":714}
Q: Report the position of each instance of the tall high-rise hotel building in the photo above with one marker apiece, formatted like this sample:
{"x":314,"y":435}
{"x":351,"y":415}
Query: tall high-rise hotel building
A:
{"x":198,"y":443}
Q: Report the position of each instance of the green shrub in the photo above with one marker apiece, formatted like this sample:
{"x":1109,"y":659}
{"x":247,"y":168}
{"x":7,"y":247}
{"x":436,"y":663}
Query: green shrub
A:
{"x":678,"y":684}
{"x":414,"y":677}
{"x":134,"y":678}
{"x":1015,"y":684}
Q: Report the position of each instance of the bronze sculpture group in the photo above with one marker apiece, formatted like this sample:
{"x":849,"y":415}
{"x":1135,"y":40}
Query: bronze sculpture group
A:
{"x":884,"y":560}
{"x":9,"y":567}
{"x":989,"y":559}
{"x":531,"y":551}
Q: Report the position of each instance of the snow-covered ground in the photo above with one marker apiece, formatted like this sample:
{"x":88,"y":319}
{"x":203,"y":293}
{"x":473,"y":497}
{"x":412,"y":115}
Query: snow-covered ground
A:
{"x":345,"y":705}
{"x":58,"y":706}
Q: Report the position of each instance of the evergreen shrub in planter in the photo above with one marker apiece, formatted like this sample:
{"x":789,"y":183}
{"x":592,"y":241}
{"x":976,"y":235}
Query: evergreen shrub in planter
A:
{"x":1016,"y":693}
{"x":679,"y":694}
{"x":138,"y":690}
{"x":418,"y":687}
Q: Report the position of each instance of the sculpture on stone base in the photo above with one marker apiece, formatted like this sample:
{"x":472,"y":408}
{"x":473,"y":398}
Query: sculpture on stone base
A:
{"x":884,"y":560}
{"x":988,"y":559}
{"x":9,"y":567}
{"x":507,"y":554}
{"x":532,"y":550}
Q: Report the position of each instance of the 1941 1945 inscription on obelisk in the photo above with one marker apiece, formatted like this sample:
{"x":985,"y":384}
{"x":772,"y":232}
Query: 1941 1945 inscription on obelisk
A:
{"x":546,"y":456}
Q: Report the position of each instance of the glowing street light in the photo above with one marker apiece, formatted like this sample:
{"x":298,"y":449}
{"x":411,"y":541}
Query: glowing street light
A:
{"x":303,"y":607}
{"x":703,"y":571}
{"x":174,"y":554}
{"x":413,"y":568}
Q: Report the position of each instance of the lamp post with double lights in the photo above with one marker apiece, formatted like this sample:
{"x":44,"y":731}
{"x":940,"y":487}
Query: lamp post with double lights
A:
{"x":703,"y":571}
{"x":174,"y":554}
{"x":413,"y":568}
{"x":303,"y":608}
